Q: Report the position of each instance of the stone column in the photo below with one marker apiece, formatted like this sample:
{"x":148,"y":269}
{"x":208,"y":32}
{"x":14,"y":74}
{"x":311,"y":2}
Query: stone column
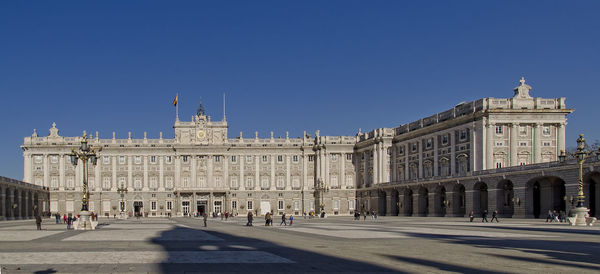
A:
{"x":97,"y":175}
{"x":453,"y":152}
{"x":493,"y":200}
{"x":514,"y":128}
{"x":415,"y":206}
{"x":145,"y":183}
{"x":432,"y":210}
{"x":193,"y":180}
{"x":226,"y":183}
{"x":114,"y":186}
{"x":406,"y":171}
{"x":161,"y":173}
{"x":177,"y":180}
{"x":27,"y":167}
{"x":420,"y":150}
{"x":435,"y":156}
{"x":342,"y":179}
{"x":394,"y":171}
{"x":288,"y":181}
{"x":2,"y":203}
{"x":489,"y":145}
{"x":385,"y":168}
{"x":209,"y":171}
{"x":46,"y":181}
{"x":560,"y":138}
{"x":272,"y":183}
{"x":474,"y":159}
{"x":130,"y":171}
{"x":26,"y":203}
{"x":365,"y":168}
{"x":257,"y":173}
{"x":520,"y":209}
{"x":388,"y":203}
{"x":242,"y":180}
{"x":469,"y":200}
{"x":375,"y":164}
{"x":537,"y":154}
{"x":61,"y":172}
{"x":452,"y":202}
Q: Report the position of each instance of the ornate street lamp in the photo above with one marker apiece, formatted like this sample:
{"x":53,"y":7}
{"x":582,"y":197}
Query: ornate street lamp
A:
{"x":322,"y":188}
{"x":85,"y":154}
{"x":580,"y":211}
{"x":122,"y":190}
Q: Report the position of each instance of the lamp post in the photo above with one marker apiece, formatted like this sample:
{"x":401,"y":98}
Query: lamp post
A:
{"x":581,"y":212}
{"x":322,"y":188}
{"x":122,"y":190}
{"x":85,"y":153}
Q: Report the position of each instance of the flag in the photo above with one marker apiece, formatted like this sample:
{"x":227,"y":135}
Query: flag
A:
{"x":175,"y":100}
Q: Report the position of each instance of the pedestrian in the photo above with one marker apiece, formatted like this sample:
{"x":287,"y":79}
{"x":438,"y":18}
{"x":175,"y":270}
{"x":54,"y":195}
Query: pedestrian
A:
{"x":250,"y":218}
{"x":484,"y":216}
{"x":57,"y":216}
{"x":472,"y":216}
{"x":65,"y":219}
{"x":271,"y":218}
{"x":38,"y":222}
{"x":291,"y":219}
{"x":364,"y":215}
{"x":222,"y":216}
{"x":205,"y":216}
{"x":267,"y":218}
{"x":555,"y":215}
{"x":283,"y":220}
{"x":69,"y":220}
{"x":304,"y":214}
{"x":549,"y":217}
{"x":495,"y":216}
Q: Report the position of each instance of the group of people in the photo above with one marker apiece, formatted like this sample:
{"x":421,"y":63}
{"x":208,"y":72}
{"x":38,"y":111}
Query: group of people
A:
{"x":554,"y":216}
{"x":269,"y":219}
{"x":357,"y":215}
{"x":484,"y":215}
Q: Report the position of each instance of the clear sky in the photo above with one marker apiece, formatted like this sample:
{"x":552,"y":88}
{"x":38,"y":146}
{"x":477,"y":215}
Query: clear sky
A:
{"x":290,"y":66}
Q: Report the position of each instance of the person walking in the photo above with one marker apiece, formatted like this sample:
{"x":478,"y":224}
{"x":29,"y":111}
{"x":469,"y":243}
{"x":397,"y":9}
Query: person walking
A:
{"x":38,"y":221}
{"x":283,"y":220}
{"x":250,"y":218}
{"x":495,"y":216}
{"x":57,"y":216}
{"x":291,"y":219}
{"x":267,"y":218}
{"x":69,"y":221}
{"x":64,"y":218}
{"x":550,"y":216}
{"x":472,"y":216}
{"x":484,"y":216}
{"x":205,"y":217}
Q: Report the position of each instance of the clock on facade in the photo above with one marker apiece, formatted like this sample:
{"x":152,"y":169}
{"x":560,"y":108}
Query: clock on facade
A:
{"x":201,"y":134}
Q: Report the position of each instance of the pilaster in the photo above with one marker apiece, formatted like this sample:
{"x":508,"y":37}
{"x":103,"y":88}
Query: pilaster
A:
{"x":514,"y":128}
{"x":537,"y":155}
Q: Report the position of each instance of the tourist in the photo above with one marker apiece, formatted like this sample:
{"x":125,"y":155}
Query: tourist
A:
{"x":57,"y":215}
{"x":495,"y":216}
{"x":205,"y":216}
{"x":283,"y":220}
{"x":69,"y":221}
{"x":64,"y":218}
{"x":291,"y":219}
{"x":550,"y":216}
{"x":304,"y":214}
{"x":250,"y":218}
{"x":472,"y":216}
{"x":484,"y":216}
{"x":38,"y":221}
{"x":267,"y":218}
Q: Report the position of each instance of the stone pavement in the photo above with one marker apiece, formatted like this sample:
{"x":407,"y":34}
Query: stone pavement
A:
{"x":335,"y":244}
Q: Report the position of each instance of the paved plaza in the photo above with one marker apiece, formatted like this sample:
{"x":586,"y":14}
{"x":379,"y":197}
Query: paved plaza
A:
{"x":334,"y":244}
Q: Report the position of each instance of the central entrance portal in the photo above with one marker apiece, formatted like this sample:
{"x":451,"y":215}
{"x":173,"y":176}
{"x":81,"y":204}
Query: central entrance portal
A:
{"x":138,"y":207}
{"x":185,"y":205}
{"x":265,"y":206}
{"x":201,"y":207}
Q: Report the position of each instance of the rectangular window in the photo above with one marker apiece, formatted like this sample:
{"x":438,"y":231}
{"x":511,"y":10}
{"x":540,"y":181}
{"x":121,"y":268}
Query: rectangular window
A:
{"x":153,"y":159}
{"x":265,"y":158}
{"x":414,"y":147}
{"x":153,"y":205}
{"x":122,"y":182}
{"x":234,"y":182}
{"x":444,"y":139}
{"x":106,"y":183}
{"x":334,"y":157}
{"x":547,"y":144}
{"x":349,"y":157}
{"x":218,"y":182}
{"x":279,"y":158}
{"x":351,"y":204}
{"x":169,"y":183}
{"x":280,"y":182}
{"x":153,"y":183}
{"x":38,"y":159}
{"x":280,"y":205}
{"x":106,"y":159}
{"x":169,"y":205}
{"x":121,"y":159}
{"x":234,"y":205}
{"x":248,"y":159}
{"x":522,"y":130}
{"x":249,"y":205}
{"x":295,"y":158}
{"x":168,"y":159}
{"x":334,"y":181}
{"x":296,"y":205}
{"x":217,"y":158}
{"x":523,"y":144}
{"x":54,"y":183}
{"x":546,"y":131}
{"x":499,"y":144}
{"x":349,"y":180}
{"x":296,"y":182}
{"x":249,"y":182}
{"x":233,"y":159}
{"x":54,"y":159}
{"x":498,"y":129}
{"x":336,"y":204}
{"x":70,"y":183}
{"x":184,"y":158}
{"x":137,"y":184}
{"x":463,"y":135}
{"x":311,"y":158}
{"x":264,"y":183}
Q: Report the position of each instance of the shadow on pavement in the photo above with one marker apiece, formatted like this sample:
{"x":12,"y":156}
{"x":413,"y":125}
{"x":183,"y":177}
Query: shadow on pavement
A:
{"x":439,"y":265}
{"x":559,"y":252}
{"x":245,"y":255}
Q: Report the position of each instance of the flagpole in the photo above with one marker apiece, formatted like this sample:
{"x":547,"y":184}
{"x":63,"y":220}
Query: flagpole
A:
{"x":177,"y":108}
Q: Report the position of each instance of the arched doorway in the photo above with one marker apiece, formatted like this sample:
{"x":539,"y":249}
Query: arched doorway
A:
{"x":138,"y":207}
{"x":395,"y":203}
{"x":381,"y":203}
{"x":545,"y":194}
{"x":408,"y":202}
{"x":458,"y":201}
{"x":592,"y":192}
{"x":7,"y":205}
{"x":423,"y":201}
{"x":440,"y":201}
{"x":480,"y":197}
{"x":504,"y":199}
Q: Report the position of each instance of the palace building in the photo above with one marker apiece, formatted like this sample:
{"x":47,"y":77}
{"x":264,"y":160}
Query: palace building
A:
{"x":203,"y":170}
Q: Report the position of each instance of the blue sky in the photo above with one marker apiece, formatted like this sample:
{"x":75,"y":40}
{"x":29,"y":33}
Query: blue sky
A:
{"x":290,"y":66}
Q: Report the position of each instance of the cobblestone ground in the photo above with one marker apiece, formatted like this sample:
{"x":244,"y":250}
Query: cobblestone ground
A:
{"x":335,"y":244}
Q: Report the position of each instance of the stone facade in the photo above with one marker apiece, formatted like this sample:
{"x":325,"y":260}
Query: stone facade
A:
{"x":202,"y":170}
{"x":20,"y":200}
